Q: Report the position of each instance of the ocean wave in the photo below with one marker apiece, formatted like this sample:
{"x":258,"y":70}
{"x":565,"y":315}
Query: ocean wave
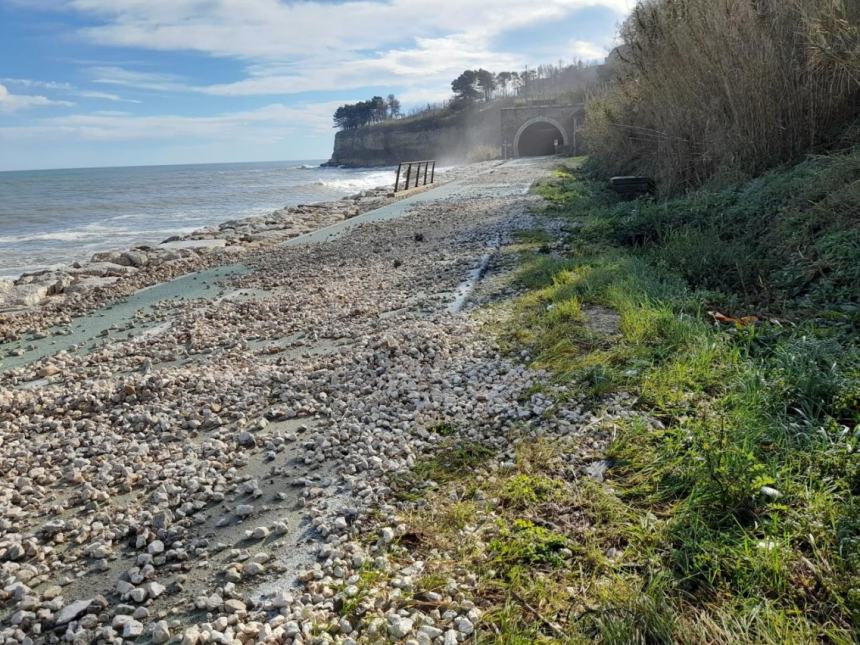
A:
{"x":95,"y":232}
{"x":54,"y":236}
{"x":60,"y":219}
{"x":361,"y":182}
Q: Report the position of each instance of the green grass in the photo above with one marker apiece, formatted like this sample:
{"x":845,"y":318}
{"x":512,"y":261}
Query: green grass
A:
{"x":746,"y":409}
{"x":444,"y":429}
{"x":730,"y":513}
{"x":454,"y":460}
{"x":523,"y":491}
{"x":521,"y":542}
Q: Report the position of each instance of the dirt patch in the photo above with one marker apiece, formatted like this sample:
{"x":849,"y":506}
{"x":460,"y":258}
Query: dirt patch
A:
{"x":602,"y":320}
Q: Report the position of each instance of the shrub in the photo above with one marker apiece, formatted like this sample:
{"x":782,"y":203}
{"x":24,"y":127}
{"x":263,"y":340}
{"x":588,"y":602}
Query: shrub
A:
{"x":524,"y":543}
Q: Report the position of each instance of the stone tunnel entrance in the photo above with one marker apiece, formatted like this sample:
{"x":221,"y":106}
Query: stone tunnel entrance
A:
{"x":539,"y":139}
{"x":532,"y":130}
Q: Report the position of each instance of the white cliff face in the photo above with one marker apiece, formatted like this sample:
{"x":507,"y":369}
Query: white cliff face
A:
{"x":453,"y":137}
{"x":391,"y":144}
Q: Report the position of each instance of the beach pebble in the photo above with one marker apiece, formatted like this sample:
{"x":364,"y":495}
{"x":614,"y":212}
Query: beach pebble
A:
{"x":293,"y":387}
{"x":160,"y":632}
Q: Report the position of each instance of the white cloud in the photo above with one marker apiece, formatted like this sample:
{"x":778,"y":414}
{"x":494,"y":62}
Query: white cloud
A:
{"x":589,"y":51}
{"x":67,"y":88}
{"x":423,"y":96}
{"x":268,"y":123}
{"x":104,"y":96}
{"x":114,"y":75}
{"x":15,"y":102}
{"x":275,"y":30}
{"x":313,"y":45}
{"x":37,"y":84}
{"x":430,"y":61}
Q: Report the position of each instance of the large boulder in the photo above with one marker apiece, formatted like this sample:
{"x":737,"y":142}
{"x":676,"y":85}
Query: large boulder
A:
{"x":114,"y":257}
{"x":104,"y":269}
{"x":91,"y":282}
{"x":60,"y":284}
{"x":135,"y":258}
{"x":24,"y":295}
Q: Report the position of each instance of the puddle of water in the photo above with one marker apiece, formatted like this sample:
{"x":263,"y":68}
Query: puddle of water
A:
{"x":86,"y":329}
{"x":468,"y":285}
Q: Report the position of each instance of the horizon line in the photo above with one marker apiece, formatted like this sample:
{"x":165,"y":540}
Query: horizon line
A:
{"x":161,"y":165}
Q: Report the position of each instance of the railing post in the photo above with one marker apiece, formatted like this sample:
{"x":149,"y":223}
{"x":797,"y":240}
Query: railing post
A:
{"x":429,"y":168}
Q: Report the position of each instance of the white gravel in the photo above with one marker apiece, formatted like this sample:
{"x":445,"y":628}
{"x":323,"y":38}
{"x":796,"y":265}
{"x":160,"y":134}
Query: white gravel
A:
{"x":208,"y":482}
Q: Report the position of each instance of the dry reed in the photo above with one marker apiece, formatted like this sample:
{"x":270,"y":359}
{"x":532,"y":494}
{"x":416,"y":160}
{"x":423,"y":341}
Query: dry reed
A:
{"x":707,"y":87}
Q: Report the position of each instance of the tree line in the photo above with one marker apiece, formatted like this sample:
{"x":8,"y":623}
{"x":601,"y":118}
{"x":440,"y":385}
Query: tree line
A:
{"x":473,"y":86}
{"x":479,"y":84}
{"x":543,"y":81}
{"x":374,"y":110}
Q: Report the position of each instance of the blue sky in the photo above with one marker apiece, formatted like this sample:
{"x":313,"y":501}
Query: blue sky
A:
{"x":128,"y":82}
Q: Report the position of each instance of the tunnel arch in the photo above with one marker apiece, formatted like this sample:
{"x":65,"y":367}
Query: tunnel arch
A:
{"x":536,"y":136}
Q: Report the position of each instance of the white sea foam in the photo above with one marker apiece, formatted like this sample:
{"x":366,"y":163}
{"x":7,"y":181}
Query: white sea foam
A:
{"x":55,"y":236}
{"x":94,"y":232}
{"x":361,"y":182}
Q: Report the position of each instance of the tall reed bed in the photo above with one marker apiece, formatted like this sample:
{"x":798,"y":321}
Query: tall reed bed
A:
{"x":725,"y":87}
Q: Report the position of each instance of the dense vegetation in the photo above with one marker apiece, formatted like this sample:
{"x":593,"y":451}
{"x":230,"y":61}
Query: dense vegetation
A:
{"x":726,"y":313}
{"x":738,"y":513}
{"x":730,"y":87}
{"x":545,"y":82}
{"x":474,"y":88}
{"x":730,"y":510}
{"x":375,"y":110}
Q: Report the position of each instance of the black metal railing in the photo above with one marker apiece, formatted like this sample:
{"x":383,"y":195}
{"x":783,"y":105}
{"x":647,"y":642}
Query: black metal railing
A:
{"x":412,"y":181}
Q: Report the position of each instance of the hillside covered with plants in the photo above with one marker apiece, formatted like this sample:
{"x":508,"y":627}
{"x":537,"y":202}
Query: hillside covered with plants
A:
{"x":463,"y":128}
{"x":729,"y":510}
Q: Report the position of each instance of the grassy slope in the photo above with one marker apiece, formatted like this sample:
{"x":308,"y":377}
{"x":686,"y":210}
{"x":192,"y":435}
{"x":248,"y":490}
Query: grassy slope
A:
{"x":733,"y":515}
{"x":730,"y":512}
{"x":754,"y":478}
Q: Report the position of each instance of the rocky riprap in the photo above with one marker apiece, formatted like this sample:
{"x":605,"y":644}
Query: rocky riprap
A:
{"x":217,"y":480}
{"x":37,"y":303}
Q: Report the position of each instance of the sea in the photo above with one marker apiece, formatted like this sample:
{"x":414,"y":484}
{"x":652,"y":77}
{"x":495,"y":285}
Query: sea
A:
{"x":55,"y":217}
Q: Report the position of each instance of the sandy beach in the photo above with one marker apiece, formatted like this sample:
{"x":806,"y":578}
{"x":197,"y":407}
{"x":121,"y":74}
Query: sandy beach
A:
{"x":204,"y":458}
